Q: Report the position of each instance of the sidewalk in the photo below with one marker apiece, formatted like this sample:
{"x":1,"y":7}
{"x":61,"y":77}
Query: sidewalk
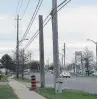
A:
{"x":22,"y":91}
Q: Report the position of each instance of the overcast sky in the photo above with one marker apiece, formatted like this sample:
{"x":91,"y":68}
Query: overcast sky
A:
{"x":76,"y":22}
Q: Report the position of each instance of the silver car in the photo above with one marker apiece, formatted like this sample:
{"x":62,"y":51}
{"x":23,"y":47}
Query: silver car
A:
{"x":65,"y":75}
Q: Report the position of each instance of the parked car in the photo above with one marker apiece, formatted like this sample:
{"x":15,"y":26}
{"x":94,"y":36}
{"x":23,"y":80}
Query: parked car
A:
{"x":65,"y":75}
{"x":26,"y":72}
{"x":95,"y":73}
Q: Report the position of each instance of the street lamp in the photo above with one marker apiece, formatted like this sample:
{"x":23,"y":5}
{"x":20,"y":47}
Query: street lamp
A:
{"x":96,"y":48}
{"x":20,"y":42}
{"x":91,"y":41}
{"x":23,"y":40}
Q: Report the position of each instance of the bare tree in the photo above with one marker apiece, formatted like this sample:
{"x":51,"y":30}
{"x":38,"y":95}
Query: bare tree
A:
{"x":88,"y":60}
{"x":23,"y":59}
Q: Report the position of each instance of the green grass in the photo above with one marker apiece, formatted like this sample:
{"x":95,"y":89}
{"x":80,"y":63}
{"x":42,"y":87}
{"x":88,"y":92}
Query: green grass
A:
{"x":4,"y":78}
{"x":49,"y":93}
{"x":93,"y":76}
{"x":7,"y":93}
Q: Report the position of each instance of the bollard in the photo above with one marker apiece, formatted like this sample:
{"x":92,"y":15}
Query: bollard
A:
{"x":33,"y":82}
{"x":59,"y":85}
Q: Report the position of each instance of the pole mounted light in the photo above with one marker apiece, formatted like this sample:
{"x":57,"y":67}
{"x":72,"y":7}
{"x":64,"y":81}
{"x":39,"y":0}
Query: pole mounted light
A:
{"x":23,"y":40}
{"x":91,"y":41}
{"x":20,"y":42}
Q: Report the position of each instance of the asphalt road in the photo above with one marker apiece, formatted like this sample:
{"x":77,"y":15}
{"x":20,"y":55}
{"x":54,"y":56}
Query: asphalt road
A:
{"x":87,"y":84}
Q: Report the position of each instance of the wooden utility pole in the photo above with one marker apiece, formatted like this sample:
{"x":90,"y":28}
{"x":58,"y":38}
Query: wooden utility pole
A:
{"x":55,"y":41}
{"x":41,"y":47}
{"x":17,"y":49}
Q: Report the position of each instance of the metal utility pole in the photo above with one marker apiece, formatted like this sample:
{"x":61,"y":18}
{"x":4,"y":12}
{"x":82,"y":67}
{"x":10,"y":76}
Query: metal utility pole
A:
{"x":41,"y":47}
{"x":62,"y":60}
{"x":17,"y":49}
{"x":64,"y":54}
{"x":23,"y":65}
{"x":55,"y":41}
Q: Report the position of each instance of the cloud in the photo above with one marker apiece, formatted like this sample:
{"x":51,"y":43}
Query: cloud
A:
{"x":75,"y":25}
{"x":78,"y":24}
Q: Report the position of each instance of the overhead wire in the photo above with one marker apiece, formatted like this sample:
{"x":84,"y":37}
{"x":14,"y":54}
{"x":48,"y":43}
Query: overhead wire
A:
{"x":20,"y":6}
{"x":47,"y":17}
{"x":33,"y":37}
{"x":16,"y":11}
{"x":30,"y":21}
{"x":17,"y":7}
{"x":26,"y":9}
{"x":37,"y":32}
{"x":33,"y":18}
{"x":63,"y":5}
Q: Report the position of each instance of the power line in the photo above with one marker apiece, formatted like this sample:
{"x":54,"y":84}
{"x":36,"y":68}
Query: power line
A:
{"x":33,"y":18}
{"x":53,"y":9}
{"x":57,"y":11}
{"x":30,"y":21}
{"x":26,"y":9}
{"x":33,"y":37}
{"x":47,"y":22}
{"x":63,"y":5}
{"x":47,"y":17}
{"x":20,"y":6}
{"x":17,"y":7}
{"x":37,"y":32}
